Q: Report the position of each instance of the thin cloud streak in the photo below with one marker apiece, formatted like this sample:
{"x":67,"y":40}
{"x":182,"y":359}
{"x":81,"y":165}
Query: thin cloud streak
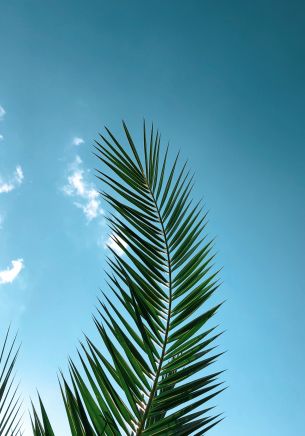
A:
{"x":19,"y":176}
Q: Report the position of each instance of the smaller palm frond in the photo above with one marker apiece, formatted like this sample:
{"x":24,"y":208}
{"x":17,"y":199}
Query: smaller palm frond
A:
{"x":41,"y":426}
{"x":10,"y":403}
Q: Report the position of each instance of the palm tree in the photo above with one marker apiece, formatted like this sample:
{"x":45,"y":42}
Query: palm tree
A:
{"x":150,"y":374}
{"x":10,"y":404}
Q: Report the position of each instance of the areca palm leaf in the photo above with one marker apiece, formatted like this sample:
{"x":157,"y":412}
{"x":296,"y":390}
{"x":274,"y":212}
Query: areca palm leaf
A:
{"x":10,"y":404}
{"x":151,"y":376}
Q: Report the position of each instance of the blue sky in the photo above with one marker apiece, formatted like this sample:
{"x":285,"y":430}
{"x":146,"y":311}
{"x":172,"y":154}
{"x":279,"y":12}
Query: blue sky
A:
{"x":224,"y":82}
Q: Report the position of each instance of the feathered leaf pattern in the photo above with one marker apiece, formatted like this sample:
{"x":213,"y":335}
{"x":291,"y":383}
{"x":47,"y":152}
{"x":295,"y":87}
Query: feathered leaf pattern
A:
{"x":150,"y":376}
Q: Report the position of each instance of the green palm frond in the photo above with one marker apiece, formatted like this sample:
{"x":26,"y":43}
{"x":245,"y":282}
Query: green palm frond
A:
{"x":151,"y":376}
{"x":10,"y":404}
{"x":41,"y":427}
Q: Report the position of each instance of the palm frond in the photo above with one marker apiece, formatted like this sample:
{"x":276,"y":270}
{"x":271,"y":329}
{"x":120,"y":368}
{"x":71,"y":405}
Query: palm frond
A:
{"x":10,"y":403}
{"x":41,"y":427}
{"x":151,"y":374}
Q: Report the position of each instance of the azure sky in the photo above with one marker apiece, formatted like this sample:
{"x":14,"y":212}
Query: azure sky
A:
{"x":224,"y":83}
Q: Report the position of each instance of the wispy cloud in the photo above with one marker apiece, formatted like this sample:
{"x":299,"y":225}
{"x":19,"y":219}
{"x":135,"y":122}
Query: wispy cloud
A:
{"x":19,"y":176}
{"x":6,"y":187}
{"x":2,"y":112}
{"x":87,"y":198}
{"x":77,"y":140}
{"x":114,"y":242}
{"x":85,"y":194}
{"x":14,"y":181}
{"x":1,"y":137}
{"x":9,"y":275}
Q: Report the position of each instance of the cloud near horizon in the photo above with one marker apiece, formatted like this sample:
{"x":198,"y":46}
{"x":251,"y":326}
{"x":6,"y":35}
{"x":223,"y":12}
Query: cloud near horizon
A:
{"x":9,"y":274}
{"x":87,"y":197}
{"x":15,"y":181}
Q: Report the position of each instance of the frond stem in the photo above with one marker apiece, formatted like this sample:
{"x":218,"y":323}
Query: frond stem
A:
{"x":159,"y":368}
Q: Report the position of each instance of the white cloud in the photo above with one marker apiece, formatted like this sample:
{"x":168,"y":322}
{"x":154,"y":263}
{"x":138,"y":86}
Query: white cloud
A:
{"x":6,"y":187}
{"x":2,"y":113}
{"x":77,"y":141}
{"x":8,"y":275}
{"x":87,"y":197}
{"x":1,"y":137}
{"x":19,"y":176}
{"x":112,"y":242}
{"x":16,"y":180}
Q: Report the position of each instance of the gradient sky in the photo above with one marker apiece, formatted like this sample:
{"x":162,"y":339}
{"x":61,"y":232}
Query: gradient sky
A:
{"x":225,"y":82}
